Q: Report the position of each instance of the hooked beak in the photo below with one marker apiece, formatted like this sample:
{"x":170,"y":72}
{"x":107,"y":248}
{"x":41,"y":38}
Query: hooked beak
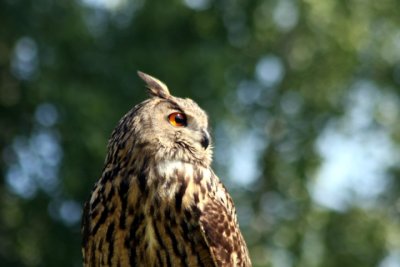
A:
{"x":205,"y":140}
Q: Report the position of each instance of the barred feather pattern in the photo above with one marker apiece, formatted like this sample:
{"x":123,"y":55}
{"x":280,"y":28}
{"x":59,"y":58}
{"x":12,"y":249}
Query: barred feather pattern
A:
{"x":158,"y":204}
{"x":189,"y":221}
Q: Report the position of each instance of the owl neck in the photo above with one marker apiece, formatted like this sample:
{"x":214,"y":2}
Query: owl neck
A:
{"x":152,"y":169}
{"x":181,"y":180}
{"x":187,"y":156}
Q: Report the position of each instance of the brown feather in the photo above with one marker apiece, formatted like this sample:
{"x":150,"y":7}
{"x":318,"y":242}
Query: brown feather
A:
{"x":155,"y":86}
{"x":158,"y":202}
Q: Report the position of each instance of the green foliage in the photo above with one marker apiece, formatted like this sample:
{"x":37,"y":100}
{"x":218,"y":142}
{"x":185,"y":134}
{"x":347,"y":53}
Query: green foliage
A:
{"x":283,"y":74}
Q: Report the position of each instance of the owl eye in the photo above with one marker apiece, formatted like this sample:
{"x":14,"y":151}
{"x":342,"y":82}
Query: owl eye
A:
{"x":177,"y":119}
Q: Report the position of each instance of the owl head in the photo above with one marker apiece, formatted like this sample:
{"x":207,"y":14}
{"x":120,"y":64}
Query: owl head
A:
{"x":162,"y":128}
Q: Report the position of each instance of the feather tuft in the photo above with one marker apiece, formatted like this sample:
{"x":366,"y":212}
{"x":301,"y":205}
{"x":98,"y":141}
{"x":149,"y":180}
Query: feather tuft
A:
{"x":155,"y":87}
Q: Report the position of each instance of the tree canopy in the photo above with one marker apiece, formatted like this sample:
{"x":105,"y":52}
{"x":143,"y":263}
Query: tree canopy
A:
{"x":303,"y":98}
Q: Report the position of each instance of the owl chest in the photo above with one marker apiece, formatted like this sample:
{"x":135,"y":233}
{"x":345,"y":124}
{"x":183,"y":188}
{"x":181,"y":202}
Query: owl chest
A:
{"x":164,"y":228}
{"x":168,"y":238}
{"x":152,"y":219}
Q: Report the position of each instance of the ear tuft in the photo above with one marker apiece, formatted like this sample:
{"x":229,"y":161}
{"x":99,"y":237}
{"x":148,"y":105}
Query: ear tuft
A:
{"x":156,"y":87}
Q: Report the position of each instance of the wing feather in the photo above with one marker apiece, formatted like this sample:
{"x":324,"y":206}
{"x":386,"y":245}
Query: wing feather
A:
{"x":221,"y":231}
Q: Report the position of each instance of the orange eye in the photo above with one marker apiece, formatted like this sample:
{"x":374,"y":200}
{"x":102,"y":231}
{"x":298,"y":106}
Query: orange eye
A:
{"x":177,"y":119}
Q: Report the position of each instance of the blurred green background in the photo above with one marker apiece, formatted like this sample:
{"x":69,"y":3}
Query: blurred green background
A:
{"x":303,"y":98}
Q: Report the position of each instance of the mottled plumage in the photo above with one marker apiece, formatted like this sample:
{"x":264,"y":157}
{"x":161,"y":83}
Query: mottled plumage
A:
{"x":158,"y":202}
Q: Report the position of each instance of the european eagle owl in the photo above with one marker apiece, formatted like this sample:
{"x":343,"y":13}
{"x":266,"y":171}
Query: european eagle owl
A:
{"x":158,"y":202}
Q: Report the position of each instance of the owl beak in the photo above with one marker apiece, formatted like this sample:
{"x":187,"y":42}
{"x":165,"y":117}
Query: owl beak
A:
{"x":205,"y":140}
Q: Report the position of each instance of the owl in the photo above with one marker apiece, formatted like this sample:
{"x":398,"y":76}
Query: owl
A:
{"x":158,"y":201}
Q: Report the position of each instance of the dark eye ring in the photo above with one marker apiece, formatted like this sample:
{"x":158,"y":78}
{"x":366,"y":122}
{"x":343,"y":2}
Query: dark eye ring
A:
{"x":177,"y":119}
